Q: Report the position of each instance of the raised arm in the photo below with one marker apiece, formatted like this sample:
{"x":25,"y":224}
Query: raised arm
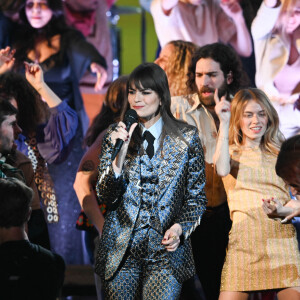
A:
{"x":110,"y":184}
{"x":7,"y":59}
{"x":62,"y":124}
{"x":34,"y":75}
{"x":241,"y":41}
{"x":221,"y":156}
{"x":265,"y":19}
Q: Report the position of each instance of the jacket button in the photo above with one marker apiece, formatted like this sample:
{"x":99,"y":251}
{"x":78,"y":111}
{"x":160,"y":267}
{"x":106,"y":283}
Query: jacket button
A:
{"x":162,"y":207}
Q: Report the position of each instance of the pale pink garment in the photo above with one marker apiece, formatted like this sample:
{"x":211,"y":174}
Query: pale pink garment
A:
{"x":202,"y":24}
{"x":287,"y":81}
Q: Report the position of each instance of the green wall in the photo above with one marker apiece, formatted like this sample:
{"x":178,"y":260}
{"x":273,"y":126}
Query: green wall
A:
{"x":130,"y":27}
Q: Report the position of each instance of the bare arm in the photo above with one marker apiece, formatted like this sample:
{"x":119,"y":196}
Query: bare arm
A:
{"x":85,"y":182}
{"x":265,"y":19}
{"x":221,"y":156}
{"x":241,"y":41}
{"x":34,"y":75}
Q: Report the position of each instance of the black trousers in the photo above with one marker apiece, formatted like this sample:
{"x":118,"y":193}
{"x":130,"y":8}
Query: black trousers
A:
{"x":209,"y":242}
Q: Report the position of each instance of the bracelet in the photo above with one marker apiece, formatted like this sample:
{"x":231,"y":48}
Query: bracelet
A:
{"x":223,"y":138}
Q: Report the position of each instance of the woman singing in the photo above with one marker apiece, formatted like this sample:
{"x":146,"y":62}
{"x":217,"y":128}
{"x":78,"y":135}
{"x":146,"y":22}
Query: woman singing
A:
{"x":154,"y":192}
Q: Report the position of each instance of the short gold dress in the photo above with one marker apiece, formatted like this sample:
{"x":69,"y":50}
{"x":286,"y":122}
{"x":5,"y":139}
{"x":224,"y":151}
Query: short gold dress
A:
{"x":262,"y":253}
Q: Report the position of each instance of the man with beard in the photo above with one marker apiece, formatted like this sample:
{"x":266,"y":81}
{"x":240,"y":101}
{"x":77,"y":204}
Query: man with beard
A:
{"x":15,"y":164}
{"x":214,"y":68}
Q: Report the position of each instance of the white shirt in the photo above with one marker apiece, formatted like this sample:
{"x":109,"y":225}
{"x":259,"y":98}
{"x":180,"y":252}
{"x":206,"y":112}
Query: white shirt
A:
{"x":155,"y":130}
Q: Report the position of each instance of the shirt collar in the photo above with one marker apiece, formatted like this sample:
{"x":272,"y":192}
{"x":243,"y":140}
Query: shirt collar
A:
{"x":155,"y":129}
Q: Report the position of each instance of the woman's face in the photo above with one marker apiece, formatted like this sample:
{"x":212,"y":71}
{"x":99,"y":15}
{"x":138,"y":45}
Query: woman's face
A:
{"x":146,"y":103}
{"x":38,"y":13}
{"x":253,"y":123}
{"x":291,"y":20}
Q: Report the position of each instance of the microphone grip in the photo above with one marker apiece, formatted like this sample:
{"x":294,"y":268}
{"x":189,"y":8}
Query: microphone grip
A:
{"x":117,"y":148}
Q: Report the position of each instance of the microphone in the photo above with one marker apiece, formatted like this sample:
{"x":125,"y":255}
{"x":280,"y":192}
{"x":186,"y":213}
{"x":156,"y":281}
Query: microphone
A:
{"x":129,"y":118}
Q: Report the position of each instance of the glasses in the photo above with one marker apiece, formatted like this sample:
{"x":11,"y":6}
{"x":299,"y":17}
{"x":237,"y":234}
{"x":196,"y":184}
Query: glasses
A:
{"x":40,"y":5}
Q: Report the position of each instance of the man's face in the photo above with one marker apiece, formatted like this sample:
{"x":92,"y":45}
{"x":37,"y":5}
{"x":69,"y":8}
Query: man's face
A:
{"x":9,"y":129}
{"x":208,"y":77}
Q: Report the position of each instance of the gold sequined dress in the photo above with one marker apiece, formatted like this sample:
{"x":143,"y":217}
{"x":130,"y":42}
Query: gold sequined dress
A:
{"x":262,"y":253}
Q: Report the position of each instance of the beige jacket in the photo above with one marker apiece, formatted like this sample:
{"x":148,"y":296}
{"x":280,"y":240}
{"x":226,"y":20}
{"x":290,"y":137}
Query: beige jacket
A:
{"x":271,"y":50}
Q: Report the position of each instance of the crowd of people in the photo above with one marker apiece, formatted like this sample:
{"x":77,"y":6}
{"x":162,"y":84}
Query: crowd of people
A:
{"x":191,"y":170}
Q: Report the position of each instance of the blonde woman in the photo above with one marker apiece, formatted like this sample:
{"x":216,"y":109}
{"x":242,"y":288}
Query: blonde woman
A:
{"x":262,"y":252}
{"x":174,"y":59}
{"x":276,"y":36}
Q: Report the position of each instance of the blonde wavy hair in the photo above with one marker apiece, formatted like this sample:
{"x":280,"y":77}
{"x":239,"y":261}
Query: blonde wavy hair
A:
{"x":287,"y":7}
{"x":272,"y":138}
{"x":177,"y":67}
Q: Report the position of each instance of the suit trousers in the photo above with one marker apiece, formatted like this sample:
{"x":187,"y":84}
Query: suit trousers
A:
{"x":145,"y":272}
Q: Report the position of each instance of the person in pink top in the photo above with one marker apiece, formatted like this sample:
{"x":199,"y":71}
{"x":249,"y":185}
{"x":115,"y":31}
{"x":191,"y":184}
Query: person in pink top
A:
{"x":202,"y":22}
{"x":276,"y":36}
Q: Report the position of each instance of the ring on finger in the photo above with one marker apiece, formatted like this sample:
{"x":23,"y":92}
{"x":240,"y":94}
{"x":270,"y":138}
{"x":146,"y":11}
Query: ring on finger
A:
{"x":174,"y":237}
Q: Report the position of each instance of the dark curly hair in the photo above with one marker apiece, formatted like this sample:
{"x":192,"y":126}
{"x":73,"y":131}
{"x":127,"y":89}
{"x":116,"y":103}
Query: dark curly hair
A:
{"x":228,"y":60}
{"x":32,"y":111}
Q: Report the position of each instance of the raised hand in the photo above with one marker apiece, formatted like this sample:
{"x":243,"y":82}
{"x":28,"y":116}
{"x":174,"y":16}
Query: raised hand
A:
{"x":232,"y":9}
{"x":222,"y":108}
{"x":34,"y":75}
{"x":120,"y":132}
{"x":101,"y":76}
{"x":7,"y":59}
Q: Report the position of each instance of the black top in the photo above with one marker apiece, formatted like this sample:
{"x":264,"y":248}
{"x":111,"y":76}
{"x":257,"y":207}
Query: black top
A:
{"x":29,"y":271}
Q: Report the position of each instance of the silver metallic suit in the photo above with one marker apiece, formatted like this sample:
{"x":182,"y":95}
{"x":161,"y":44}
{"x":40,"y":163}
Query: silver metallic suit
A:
{"x":146,"y":200}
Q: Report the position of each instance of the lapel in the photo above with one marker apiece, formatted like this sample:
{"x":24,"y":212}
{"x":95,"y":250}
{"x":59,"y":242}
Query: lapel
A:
{"x":168,"y":164}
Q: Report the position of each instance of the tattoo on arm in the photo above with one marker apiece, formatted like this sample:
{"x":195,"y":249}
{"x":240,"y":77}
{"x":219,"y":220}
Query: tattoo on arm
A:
{"x":88,"y":166}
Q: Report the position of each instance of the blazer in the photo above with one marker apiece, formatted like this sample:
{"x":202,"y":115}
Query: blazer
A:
{"x":180,"y":190}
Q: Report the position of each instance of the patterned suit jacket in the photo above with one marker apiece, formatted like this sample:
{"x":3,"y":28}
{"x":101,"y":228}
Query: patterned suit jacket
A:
{"x":180,"y":190}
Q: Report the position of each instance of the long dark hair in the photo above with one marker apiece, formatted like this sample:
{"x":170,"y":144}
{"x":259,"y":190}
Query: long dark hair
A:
{"x":115,"y":104}
{"x":25,"y":36}
{"x":151,"y":76}
{"x":32,"y":111}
